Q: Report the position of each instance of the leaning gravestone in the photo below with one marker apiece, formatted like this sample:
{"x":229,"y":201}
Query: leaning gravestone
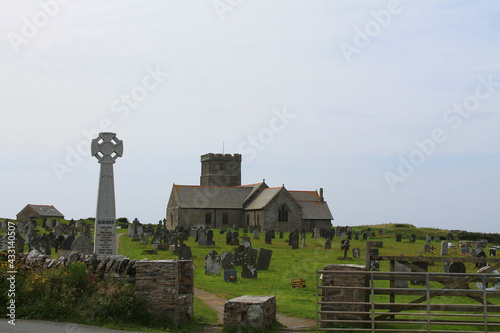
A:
{"x":212,"y":263}
{"x":106,"y":148}
{"x":227,"y":260}
{"x":264,"y":259}
{"x":249,"y":269}
{"x":83,"y":244}
{"x":66,"y":244}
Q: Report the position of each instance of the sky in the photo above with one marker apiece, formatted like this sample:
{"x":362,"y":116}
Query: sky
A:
{"x":390,"y":106}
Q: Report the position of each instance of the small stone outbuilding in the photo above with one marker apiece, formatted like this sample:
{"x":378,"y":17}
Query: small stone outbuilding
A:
{"x":38,"y":212}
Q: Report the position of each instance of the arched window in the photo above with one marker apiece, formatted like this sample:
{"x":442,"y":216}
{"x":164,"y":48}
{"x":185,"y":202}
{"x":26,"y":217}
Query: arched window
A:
{"x":283,"y":214}
{"x":171,"y":219}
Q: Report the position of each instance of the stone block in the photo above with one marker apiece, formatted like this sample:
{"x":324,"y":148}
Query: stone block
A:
{"x":259,"y":312}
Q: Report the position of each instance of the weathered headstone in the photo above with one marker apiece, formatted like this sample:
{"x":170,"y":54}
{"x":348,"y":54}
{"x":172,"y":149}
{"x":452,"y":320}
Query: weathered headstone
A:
{"x":66,"y":244}
{"x":238,"y":255}
{"x":106,"y":148}
{"x":184,"y":252}
{"x":328,"y":244}
{"x":464,"y":251}
{"x":294,"y":240}
{"x":437,"y":238}
{"x":249,"y":269}
{"x":398,"y":281}
{"x":427,"y":248}
{"x":202,"y":237}
{"x":316,"y":233}
{"x":210,"y":237}
{"x":269,"y":237}
{"x":281,"y":234}
{"x":365,"y":236}
{"x":83,"y":244}
{"x":444,"y":248}
{"x":264,"y":259}
{"x":212,"y":263}
{"x":398,"y":237}
{"x":345,"y":246}
{"x":144,"y":239}
{"x":449,"y":237}
{"x":413,"y":238}
{"x":246,"y":242}
{"x":228,"y":261}
{"x":356,"y":235}
{"x":356,"y":253}
{"x":428,"y":238}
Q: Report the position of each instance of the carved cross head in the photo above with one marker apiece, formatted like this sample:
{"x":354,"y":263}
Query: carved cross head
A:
{"x":107,"y":148}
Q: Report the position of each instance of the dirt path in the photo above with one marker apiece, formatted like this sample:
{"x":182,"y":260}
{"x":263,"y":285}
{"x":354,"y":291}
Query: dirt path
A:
{"x":118,"y":241}
{"x":217,"y":303}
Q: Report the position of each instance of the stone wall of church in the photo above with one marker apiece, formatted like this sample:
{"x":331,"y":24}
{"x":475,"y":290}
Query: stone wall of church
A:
{"x":270,"y":218}
{"x":192,"y":217}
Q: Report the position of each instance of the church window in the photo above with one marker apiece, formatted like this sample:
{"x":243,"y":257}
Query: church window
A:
{"x":208,"y":218}
{"x":224,"y":218}
{"x":283,"y":214}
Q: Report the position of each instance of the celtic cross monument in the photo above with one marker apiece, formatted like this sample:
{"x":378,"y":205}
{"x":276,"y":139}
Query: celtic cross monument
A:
{"x":106,"y":148}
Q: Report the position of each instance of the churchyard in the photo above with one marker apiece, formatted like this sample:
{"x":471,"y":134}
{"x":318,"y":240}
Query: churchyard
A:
{"x":286,"y":265}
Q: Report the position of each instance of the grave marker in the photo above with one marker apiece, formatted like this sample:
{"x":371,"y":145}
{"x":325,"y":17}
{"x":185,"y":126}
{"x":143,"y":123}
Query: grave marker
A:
{"x":106,"y":148}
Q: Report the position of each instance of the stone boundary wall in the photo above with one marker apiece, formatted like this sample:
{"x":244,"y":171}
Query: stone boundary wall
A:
{"x":167,"y":286}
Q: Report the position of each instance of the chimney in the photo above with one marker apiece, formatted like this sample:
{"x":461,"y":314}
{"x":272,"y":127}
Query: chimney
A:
{"x":321,"y":198}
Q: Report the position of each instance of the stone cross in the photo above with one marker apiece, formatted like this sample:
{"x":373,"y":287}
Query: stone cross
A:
{"x":106,"y":148}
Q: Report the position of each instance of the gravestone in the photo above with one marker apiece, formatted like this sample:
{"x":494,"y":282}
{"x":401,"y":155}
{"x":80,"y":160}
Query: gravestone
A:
{"x":444,"y":248}
{"x":356,"y":253}
{"x":66,"y":244}
{"x":493,"y":252}
{"x":380,"y":232}
{"x":427,"y":248}
{"x":238,"y":255}
{"x":229,"y":237}
{"x":342,"y":235}
{"x":398,"y":237}
{"x":349,"y":235}
{"x":264,"y":259}
{"x":365,"y":236}
{"x":144,"y":239}
{"x":58,"y":231}
{"x":449,"y":237}
{"x":202,"y":237}
{"x":83,"y":244}
{"x":316,"y":233}
{"x":294,"y":240}
{"x":281,"y":234}
{"x":303,"y":238}
{"x":457,"y":267}
{"x":130,"y":230}
{"x":428,"y":238}
{"x":228,"y":261}
{"x":398,"y":281}
{"x":446,"y":266}
{"x":106,"y":148}
{"x":210,"y":237}
{"x":464,"y":251}
{"x":437,"y":238}
{"x":337,"y":231}
{"x":375,"y":265}
{"x":328,"y":244}
{"x":413,"y":238}
{"x":184,"y":252}
{"x":345,"y":246}
{"x":249,"y":260}
{"x":212,"y":263}
{"x":246,"y":242}
{"x":356,"y":235}
{"x":269,"y":237}
{"x":230,"y":275}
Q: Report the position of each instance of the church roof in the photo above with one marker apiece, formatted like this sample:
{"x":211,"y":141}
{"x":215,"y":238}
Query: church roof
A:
{"x":263,"y":198}
{"x":46,"y":211}
{"x":220,"y":197}
{"x":312,"y":207}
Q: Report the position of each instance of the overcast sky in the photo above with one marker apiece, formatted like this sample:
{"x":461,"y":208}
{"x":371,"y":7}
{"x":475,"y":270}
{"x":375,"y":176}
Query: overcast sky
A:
{"x":391,"y":107}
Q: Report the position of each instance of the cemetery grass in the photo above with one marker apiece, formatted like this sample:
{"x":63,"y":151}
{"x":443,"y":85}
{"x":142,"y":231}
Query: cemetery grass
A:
{"x":288,"y":264}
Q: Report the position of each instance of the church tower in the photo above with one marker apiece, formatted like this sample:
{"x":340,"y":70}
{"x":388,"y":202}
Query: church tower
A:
{"x":220,"y":170}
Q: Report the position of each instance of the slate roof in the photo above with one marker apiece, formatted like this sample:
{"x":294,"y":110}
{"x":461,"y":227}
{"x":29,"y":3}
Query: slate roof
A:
{"x":220,"y":197}
{"x":312,"y":207}
{"x":263,"y":198}
{"x":48,"y":211}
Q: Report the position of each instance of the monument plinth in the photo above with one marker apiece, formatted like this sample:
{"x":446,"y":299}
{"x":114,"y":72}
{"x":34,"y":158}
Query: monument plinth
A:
{"x":106,"y":148}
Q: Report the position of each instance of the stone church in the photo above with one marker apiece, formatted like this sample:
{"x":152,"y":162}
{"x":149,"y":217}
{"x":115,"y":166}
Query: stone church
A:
{"x":221,"y":201}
